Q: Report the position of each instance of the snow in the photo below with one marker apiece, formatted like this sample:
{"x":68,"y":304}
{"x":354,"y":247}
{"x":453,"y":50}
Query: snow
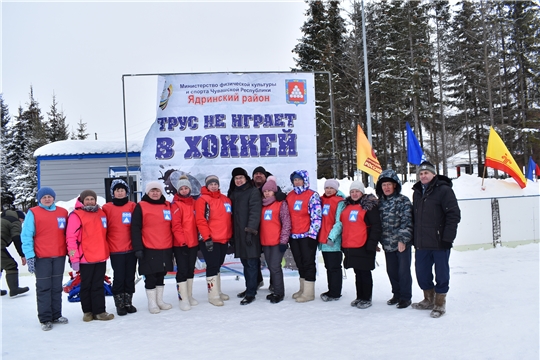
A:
{"x":85,"y":147}
{"x":492,"y":313}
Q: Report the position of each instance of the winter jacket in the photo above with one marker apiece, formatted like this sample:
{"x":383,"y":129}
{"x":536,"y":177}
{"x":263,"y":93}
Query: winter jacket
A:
{"x":246,"y":206}
{"x":44,"y":232}
{"x":396,"y":214}
{"x":119,"y":225}
{"x":330,"y":228}
{"x":213,"y":213}
{"x":362,"y":258}
{"x":184,"y":225}
{"x":11,"y":230}
{"x":275,"y":229}
{"x":310,"y":214}
{"x":86,"y":235}
{"x":151,"y":232}
{"x":436,"y":214}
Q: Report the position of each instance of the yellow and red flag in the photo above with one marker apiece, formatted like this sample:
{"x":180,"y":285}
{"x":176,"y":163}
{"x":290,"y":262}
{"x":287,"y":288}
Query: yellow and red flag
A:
{"x":498,"y":157}
{"x":366,"y":160}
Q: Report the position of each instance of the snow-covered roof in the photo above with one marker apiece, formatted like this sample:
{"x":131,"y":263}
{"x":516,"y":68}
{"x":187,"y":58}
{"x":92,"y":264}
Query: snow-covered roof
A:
{"x":85,"y":147}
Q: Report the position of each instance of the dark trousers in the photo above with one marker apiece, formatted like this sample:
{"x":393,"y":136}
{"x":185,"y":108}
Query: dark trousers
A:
{"x":8,"y":263}
{"x":250,"y":274}
{"x":424,"y":261}
{"x":334,"y":275}
{"x":304,"y":251}
{"x":154,"y":279}
{"x":185,"y":262}
{"x":92,"y":293}
{"x":214,"y":259}
{"x":364,"y":284}
{"x":398,"y":268}
{"x":49,"y":274}
{"x":124,"y":266}
{"x":273,"y":259}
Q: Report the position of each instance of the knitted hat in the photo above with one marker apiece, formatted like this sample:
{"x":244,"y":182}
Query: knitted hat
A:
{"x":296,"y":175}
{"x":240,"y":171}
{"x":259,"y":169}
{"x":426,"y":165}
{"x":154,"y":185}
{"x":20,"y":214}
{"x":333,"y":183}
{"x":45,"y":191}
{"x":357,"y":185}
{"x":270,"y":185}
{"x":86,"y":193}
{"x":211,"y":179}
{"x":119,"y":183}
{"x":184,"y":181}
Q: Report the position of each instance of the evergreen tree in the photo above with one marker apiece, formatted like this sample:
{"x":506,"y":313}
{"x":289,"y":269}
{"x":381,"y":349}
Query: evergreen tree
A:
{"x":7,"y":195}
{"x":81,"y":133}
{"x":56,"y":127}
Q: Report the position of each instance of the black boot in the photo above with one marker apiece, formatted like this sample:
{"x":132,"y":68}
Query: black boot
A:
{"x":13,"y":284}
{"x":3,"y":292}
{"x":128,"y":305}
{"x":119,"y":303}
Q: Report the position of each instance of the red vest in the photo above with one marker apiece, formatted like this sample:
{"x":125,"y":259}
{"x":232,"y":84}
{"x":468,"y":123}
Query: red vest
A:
{"x":219,"y":225}
{"x":298,"y":208}
{"x":184,"y":226}
{"x":354,"y":227}
{"x":329,"y":207}
{"x":156,"y":226}
{"x":270,"y":225}
{"x":50,"y":232}
{"x":94,"y":235}
{"x":119,"y":226}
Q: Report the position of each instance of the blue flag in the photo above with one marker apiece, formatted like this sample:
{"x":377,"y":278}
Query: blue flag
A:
{"x":532,"y":167}
{"x":415,"y":155}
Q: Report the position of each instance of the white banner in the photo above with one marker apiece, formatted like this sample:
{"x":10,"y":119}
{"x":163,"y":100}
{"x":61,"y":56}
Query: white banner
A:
{"x":208,"y":124}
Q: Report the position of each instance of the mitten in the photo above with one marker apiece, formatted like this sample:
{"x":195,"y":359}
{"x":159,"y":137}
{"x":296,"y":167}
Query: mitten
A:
{"x":446,"y":245}
{"x":75,"y":266}
{"x":249,"y":242}
{"x":209,"y":245}
{"x":330,"y":243}
{"x":139,"y":254}
{"x":31,"y":263}
{"x":283,"y":247}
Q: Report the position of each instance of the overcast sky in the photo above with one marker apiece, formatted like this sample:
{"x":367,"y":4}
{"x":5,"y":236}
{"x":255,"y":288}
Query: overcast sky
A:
{"x":79,"y":51}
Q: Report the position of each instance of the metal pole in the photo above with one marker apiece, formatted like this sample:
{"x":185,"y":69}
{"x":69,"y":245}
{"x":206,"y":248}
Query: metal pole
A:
{"x":333,"y":126}
{"x":125,"y":133}
{"x":366,"y":79}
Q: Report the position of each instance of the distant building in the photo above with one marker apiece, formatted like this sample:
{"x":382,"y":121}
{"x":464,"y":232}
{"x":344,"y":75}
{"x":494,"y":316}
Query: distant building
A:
{"x":70,"y":166}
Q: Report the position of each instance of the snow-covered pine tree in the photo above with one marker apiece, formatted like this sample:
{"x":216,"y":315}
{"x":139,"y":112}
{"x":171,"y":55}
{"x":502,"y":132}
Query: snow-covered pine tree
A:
{"x":81,"y":133}
{"x":6,"y":194}
{"x":56,"y":127}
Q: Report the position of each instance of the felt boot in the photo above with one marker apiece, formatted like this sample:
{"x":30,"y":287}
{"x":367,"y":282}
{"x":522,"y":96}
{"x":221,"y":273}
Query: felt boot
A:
{"x":223,"y":296}
{"x":299,"y":292}
{"x":308,"y":294}
{"x":13,"y":284}
{"x":184,"y":299}
{"x":213,"y":292}
{"x":440,"y":306}
{"x":152,"y":304}
{"x":428,"y":303}
{"x":119,"y":303}
{"x":192,"y":301}
{"x":159,"y":298}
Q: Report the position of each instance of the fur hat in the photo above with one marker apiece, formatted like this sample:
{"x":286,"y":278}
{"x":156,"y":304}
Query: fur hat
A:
{"x":426,"y":165}
{"x":357,"y":185}
{"x":211,"y":179}
{"x":87,"y":193}
{"x":154,"y":185}
{"x":333,"y":183}
{"x":270,"y":184}
{"x":183,"y":181}
{"x":240,"y":171}
{"x":45,"y":191}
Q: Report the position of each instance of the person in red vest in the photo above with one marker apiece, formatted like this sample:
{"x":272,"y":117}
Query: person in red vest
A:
{"x":44,"y":245}
{"x":305,"y":209}
{"x":361,"y":223}
{"x":123,"y":260}
{"x":213,"y":213}
{"x":185,"y":241}
{"x":275,"y":229}
{"x":152,"y":240}
{"x":88,"y":251}
{"x":330,"y":239}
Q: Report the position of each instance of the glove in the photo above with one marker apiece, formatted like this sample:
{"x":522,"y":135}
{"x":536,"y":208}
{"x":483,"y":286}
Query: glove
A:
{"x":283,"y":247}
{"x":329,"y":242}
{"x":139,"y":254}
{"x":31,"y":263}
{"x":75,"y":266}
{"x":446,"y":245}
{"x":209,"y":245}
{"x":249,"y":242}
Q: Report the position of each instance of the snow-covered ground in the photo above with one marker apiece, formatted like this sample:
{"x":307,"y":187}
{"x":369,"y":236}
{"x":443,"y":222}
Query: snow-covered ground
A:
{"x":492,"y":313}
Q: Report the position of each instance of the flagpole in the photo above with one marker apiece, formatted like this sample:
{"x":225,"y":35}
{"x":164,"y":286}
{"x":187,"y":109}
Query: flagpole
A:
{"x":483,"y":175}
{"x":366,"y":80}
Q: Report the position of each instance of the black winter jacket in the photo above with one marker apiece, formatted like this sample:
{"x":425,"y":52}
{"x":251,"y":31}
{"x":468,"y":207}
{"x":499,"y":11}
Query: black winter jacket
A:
{"x":436,"y":214}
{"x":246,"y":207}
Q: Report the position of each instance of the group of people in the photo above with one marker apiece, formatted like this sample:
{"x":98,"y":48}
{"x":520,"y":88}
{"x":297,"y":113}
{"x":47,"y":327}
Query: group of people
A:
{"x":255,"y":217}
